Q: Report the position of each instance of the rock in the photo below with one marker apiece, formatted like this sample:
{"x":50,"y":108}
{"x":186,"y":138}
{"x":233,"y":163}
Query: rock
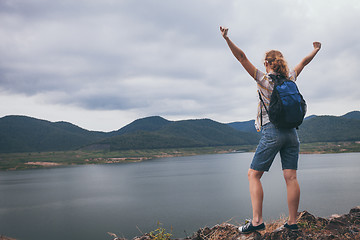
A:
{"x":6,"y":238}
{"x":224,"y":231}
{"x":335,"y":224}
{"x":142,"y":238}
{"x":355,"y":210}
{"x":345,"y":226}
{"x":251,"y":236}
{"x":285,"y":234}
{"x":305,"y":216}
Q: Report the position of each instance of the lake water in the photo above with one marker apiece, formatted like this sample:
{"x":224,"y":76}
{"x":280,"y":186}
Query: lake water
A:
{"x":187,"y":193}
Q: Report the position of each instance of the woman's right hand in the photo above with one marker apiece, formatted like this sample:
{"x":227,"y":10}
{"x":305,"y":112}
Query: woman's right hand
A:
{"x":224,"y":31}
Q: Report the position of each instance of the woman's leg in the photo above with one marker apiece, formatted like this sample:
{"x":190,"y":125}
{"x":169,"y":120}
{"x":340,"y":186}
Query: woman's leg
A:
{"x":293,"y":194}
{"x":256,"y":194}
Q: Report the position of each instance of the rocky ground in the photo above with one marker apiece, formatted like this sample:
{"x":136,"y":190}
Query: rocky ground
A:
{"x":6,"y":238}
{"x":345,"y":226}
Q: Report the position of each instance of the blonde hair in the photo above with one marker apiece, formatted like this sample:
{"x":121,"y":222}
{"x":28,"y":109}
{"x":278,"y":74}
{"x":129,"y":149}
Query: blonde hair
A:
{"x":277,"y":62}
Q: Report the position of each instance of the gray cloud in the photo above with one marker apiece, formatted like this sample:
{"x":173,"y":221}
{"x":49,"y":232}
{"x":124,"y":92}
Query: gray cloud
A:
{"x":168,"y":58}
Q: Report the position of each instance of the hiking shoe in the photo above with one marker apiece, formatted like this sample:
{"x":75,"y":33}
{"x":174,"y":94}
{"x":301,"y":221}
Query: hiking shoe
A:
{"x":249,"y":228}
{"x":292,"y":227}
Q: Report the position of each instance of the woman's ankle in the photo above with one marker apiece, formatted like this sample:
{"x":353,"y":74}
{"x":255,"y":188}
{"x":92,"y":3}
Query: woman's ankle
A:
{"x":291,"y":222}
{"x":256,"y":222}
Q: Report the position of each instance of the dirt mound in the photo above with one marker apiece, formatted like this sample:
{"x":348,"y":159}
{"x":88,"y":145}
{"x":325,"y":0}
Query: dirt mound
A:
{"x":346,"y":226}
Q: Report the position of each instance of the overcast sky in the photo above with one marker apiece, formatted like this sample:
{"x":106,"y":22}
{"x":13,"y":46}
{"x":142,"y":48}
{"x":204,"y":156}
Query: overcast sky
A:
{"x":100,"y":64}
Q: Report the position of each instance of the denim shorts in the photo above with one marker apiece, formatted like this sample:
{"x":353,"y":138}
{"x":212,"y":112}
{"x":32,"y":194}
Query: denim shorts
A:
{"x":274,"y":140}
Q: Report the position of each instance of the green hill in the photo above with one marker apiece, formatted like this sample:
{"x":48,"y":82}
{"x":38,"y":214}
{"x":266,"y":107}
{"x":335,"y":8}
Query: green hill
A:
{"x":247,"y":126}
{"x":329,"y":129}
{"x":143,"y":124}
{"x":187,"y":133}
{"x":352,"y":115}
{"x":26,"y":134}
{"x":321,"y":128}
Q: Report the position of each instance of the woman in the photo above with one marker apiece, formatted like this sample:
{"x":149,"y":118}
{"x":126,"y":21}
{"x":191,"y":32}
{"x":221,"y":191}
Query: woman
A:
{"x":273,"y":140}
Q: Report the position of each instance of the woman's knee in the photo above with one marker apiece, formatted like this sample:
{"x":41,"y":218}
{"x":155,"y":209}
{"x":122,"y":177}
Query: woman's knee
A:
{"x":290,"y":175}
{"x":254,"y":174}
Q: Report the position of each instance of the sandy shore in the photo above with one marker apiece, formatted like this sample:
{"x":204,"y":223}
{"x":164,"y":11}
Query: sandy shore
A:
{"x":44,"y":164}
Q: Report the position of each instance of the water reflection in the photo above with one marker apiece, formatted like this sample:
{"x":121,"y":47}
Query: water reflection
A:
{"x":184,"y":192}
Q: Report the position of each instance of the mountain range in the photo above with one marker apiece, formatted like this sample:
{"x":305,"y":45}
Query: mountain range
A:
{"x":27,"y":134}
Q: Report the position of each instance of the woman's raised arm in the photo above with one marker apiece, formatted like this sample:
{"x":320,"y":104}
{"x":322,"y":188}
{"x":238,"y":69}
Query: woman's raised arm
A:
{"x":307,"y":59}
{"x":238,"y":53}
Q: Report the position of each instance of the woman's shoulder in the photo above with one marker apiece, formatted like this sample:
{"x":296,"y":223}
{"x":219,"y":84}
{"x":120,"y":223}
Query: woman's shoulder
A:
{"x":263,"y":80}
{"x":259,"y":75}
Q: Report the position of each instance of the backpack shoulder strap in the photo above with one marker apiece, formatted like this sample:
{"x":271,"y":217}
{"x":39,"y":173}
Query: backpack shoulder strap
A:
{"x":262,"y":101}
{"x":278,"y":79}
{"x":261,"y":115}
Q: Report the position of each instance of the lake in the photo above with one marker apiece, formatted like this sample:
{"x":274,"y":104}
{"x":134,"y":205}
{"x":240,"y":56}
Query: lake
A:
{"x":185,"y":193}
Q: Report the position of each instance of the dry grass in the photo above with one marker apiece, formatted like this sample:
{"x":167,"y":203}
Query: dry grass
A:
{"x":272,"y":225}
{"x":228,"y":229}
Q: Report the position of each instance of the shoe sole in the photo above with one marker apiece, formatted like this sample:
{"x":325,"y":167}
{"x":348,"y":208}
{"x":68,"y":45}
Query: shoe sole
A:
{"x":261,"y":229}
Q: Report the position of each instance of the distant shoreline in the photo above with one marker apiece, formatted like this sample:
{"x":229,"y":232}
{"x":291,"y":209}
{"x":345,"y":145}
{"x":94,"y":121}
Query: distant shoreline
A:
{"x":22,"y":161}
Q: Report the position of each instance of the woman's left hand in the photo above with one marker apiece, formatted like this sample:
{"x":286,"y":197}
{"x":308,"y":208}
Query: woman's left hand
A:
{"x":224,"y":31}
{"x":317,"y":45}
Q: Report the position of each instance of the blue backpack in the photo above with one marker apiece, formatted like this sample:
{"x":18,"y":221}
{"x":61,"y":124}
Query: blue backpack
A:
{"x":287,"y":106}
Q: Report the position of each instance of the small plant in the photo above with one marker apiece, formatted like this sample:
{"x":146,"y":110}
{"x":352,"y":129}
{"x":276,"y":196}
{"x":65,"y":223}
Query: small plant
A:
{"x":303,"y":224}
{"x":307,"y":225}
{"x":160,"y":233}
